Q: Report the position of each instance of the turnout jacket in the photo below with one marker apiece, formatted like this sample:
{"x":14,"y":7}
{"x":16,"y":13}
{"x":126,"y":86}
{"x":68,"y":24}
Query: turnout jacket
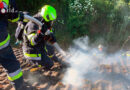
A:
{"x":34,"y":43}
{"x":7,"y":57}
{"x":4,"y":18}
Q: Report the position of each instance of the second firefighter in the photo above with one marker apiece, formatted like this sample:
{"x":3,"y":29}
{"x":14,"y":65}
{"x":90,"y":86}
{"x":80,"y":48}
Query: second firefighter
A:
{"x":34,"y":40}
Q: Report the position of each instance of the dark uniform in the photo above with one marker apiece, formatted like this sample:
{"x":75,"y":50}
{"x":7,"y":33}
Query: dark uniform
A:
{"x":7,"y":57}
{"x":34,"y":44}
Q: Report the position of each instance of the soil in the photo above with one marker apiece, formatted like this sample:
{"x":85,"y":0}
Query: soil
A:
{"x":41,"y":79}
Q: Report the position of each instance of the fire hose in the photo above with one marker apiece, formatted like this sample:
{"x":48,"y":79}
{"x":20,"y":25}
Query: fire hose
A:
{"x":56,"y":45}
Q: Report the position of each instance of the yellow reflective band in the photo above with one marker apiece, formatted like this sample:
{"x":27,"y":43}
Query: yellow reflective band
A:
{"x":51,"y":30}
{"x":6,"y":1}
{"x":25,"y":20}
{"x":32,"y":42}
{"x":25,"y":32}
{"x":32,"y":55}
{"x":16,"y":76}
{"x":39,"y":65}
{"x":128,"y":55}
{"x":5,"y":41}
{"x":50,"y":56}
{"x":15,"y":20}
{"x":45,"y":49}
{"x":30,"y":38}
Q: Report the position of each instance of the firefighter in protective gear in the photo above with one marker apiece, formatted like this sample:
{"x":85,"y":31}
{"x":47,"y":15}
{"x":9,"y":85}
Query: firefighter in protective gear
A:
{"x":34,"y":40}
{"x":7,"y":57}
{"x":126,"y":55}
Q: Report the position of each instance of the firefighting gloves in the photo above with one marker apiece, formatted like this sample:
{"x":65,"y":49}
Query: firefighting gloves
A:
{"x":42,"y":31}
{"x":15,"y":16}
{"x":21,"y":16}
{"x":44,"y":28}
{"x":52,"y":38}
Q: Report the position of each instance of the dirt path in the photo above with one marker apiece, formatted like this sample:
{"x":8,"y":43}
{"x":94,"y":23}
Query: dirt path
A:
{"x":115,"y":77}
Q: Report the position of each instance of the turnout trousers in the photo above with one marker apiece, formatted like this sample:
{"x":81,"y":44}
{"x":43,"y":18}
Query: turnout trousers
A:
{"x":10,"y":63}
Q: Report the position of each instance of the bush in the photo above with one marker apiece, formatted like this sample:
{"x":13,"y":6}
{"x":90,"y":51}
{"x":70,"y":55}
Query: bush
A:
{"x":96,"y":18}
{"x":80,"y":17}
{"x":99,"y":18}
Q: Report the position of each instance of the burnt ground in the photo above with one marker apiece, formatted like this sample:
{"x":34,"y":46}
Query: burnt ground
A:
{"x":109,"y":77}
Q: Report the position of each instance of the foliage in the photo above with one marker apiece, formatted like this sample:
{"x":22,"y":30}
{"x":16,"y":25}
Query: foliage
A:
{"x":99,"y":18}
{"x":95,"y":18}
{"x":80,"y":17}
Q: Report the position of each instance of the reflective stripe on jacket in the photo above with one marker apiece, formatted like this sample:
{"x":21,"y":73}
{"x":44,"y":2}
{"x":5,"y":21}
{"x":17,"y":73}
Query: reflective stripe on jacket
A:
{"x":31,"y":39}
{"x":5,"y":43}
{"x":33,"y":45}
{"x":128,"y":53}
{"x":15,"y":75}
{"x":4,"y":37}
{"x":32,"y":56}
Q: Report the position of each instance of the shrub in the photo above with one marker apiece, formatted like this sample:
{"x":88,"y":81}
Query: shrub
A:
{"x":99,"y":18}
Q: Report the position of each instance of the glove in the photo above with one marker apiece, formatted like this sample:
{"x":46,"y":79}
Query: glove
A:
{"x":21,"y":16}
{"x":52,"y":39}
{"x":43,"y":30}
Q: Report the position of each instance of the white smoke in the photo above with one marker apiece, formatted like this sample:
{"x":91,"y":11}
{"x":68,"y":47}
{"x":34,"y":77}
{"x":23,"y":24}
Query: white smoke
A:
{"x":84,"y":61}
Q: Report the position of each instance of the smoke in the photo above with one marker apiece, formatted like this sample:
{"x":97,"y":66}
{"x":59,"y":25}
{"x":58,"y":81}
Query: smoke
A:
{"x":85,"y":62}
{"x":79,"y":65}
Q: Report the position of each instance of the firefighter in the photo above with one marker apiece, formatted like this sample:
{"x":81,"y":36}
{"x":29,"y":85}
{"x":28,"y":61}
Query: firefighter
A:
{"x":34,"y":40}
{"x":100,"y":47}
{"x":19,"y":38}
{"x":7,"y":57}
{"x":126,"y":55}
